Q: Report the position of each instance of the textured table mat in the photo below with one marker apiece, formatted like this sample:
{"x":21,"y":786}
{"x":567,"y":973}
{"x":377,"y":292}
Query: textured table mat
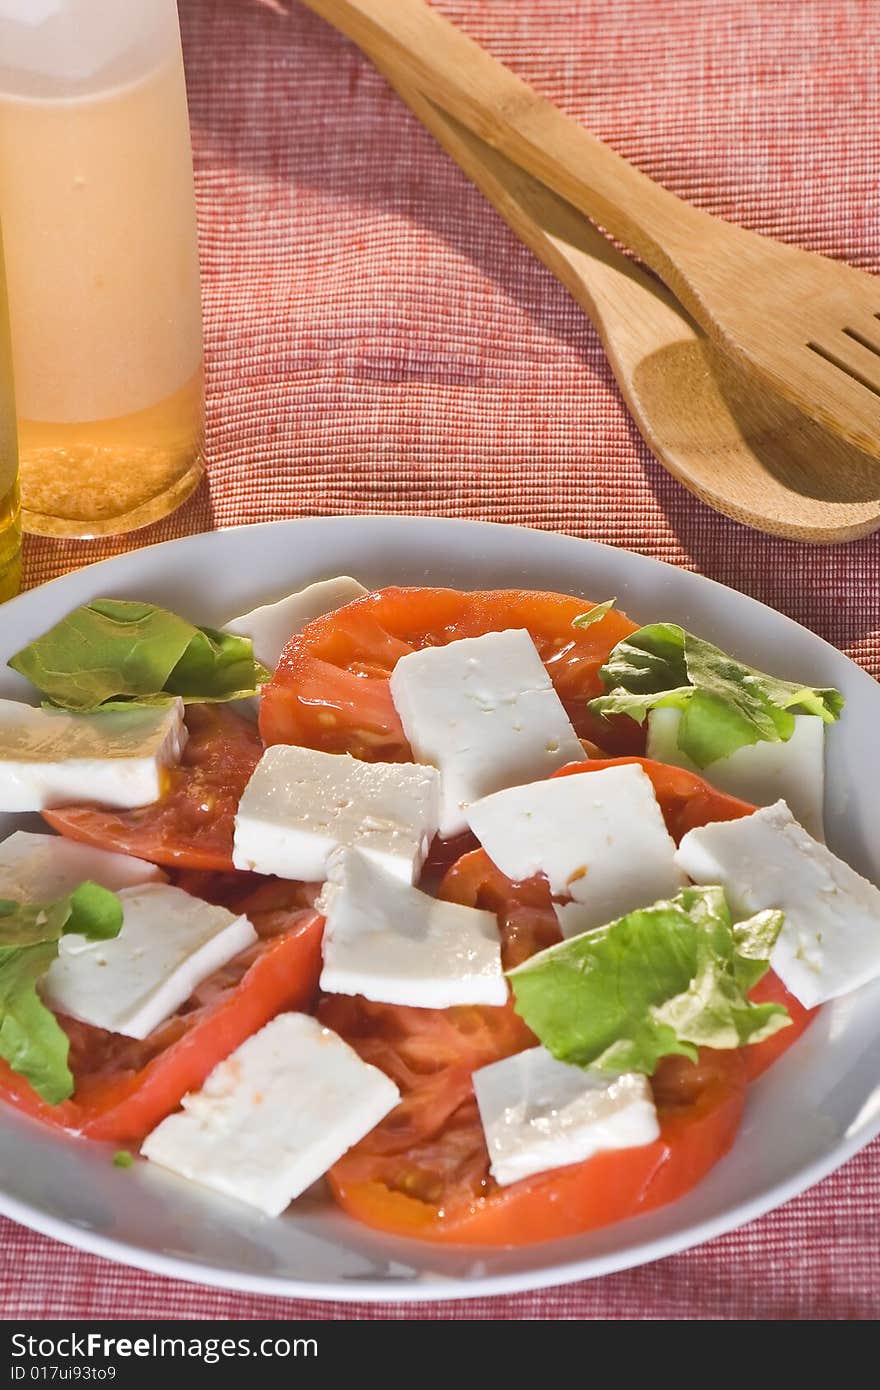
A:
{"x":378,"y":341}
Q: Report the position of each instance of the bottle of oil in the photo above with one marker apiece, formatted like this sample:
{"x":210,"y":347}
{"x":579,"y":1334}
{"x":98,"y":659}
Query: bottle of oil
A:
{"x":98,"y":209}
{"x":10,"y":529}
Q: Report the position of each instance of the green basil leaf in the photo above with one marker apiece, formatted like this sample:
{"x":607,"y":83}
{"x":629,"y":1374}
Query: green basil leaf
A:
{"x":113,"y":651}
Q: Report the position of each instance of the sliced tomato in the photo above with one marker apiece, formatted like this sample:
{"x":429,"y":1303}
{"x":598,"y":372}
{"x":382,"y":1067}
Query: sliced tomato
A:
{"x":441,"y":1189}
{"x":191,"y":824}
{"x":430,"y":1054}
{"x":124,"y":1087}
{"x":258,"y":895}
{"x":331,"y":690}
{"x":441,"y":857}
{"x":526,"y":920}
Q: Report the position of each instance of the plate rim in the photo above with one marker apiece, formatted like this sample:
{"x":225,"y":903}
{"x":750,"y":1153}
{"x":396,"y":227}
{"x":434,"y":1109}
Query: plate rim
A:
{"x":445,"y":1289}
{"x":437,"y":1288}
{"x":404,"y":521}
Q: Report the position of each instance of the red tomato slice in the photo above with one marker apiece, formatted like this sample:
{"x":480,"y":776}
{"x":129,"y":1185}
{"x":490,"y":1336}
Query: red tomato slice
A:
{"x":331,"y":691}
{"x":191,"y":824}
{"x":526,"y":919}
{"x":430,"y":1054}
{"x":762,"y":1055}
{"x":442,"y":1190}
{"x":124,"y":1087}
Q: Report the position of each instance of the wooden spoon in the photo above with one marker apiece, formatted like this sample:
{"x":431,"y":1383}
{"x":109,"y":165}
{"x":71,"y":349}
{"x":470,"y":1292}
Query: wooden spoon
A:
{"x":747,"y":453}
{"x":808,"y":326}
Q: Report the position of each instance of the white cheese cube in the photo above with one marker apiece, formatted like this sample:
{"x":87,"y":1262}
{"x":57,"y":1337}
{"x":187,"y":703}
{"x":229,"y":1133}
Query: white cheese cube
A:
{"x":389,"y":942}
{"x":760,"y":772}
{"x":539,"y":1114}
{"x":830,"y":940}
{"x":41,"y":868}
{"x":111,"y":758}
{"x":300,"y":805}
{"x":598,"y":837}
{"x":272,"y":625}
{"x":168,"y":944}
{"x":484,"y":711}
{"x":272,"y":1118}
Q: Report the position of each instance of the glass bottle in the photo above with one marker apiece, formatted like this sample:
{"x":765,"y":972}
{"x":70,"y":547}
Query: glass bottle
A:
{"x":96,"y":197}
{"x":10,"y":529}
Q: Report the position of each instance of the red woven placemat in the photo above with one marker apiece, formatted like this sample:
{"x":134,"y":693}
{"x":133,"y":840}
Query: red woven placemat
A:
{"x":378,"y":341}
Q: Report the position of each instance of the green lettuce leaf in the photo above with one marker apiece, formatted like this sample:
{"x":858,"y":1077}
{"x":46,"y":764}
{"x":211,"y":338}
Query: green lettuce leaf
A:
{"x":31,"y":1040}
{"x":665,"y":979}
{"x":725,"y":704}
{"x":115,"y":650}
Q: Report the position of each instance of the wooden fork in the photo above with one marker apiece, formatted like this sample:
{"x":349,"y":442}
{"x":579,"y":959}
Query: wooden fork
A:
{"x":749,"y":454}
{"x":806,"y":325}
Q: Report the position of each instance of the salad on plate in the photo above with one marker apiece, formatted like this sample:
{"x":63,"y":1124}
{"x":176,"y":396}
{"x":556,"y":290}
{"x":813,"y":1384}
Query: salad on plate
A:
{"x":486,"y":907}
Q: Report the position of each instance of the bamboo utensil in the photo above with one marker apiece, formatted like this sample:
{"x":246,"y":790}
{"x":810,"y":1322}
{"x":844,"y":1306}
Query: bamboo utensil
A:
{"x":808,"y":326}
{"x":748,"y":453}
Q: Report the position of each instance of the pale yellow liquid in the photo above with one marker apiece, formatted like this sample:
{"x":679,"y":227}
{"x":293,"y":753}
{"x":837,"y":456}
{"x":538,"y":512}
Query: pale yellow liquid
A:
{"x":10,"y":543}
{"x":102,"y":272}
{"x":10,"y":528}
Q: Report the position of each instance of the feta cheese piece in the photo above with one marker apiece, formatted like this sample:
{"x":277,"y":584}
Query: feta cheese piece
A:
{"x":272,"y":625}
{"x":300,"y":805}
{"x":759,"y":772}
{"x":483,"y":710}
{"x":598,"y":837}
{"x":538,"y":1113}
{"x":272,"y":1118}
{"x":40,"y":868}
{"x":389,"y":942}
{"x":110,"y":758}
{"x":169,"y":942}
{"x":830,"y":940}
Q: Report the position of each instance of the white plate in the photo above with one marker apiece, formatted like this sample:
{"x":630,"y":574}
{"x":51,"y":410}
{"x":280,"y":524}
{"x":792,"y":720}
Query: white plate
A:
{"x":816,"y":1108}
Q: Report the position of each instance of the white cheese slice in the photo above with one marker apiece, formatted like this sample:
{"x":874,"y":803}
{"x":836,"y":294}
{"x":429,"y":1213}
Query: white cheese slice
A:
{"x":40,"y":868}
{"x":111,"y":758}
{"x":272,"y":625}
{"x":272,"y":1118}
{"x":598,"y":837}
{"x":301,"y":805}
{"x":389,"y":942}
{"x":830,"y":940}
{"x":168,"y":944}
{"x":538,"y":1113}
{"x":760,"y":772}
{"x":484,"y":711}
